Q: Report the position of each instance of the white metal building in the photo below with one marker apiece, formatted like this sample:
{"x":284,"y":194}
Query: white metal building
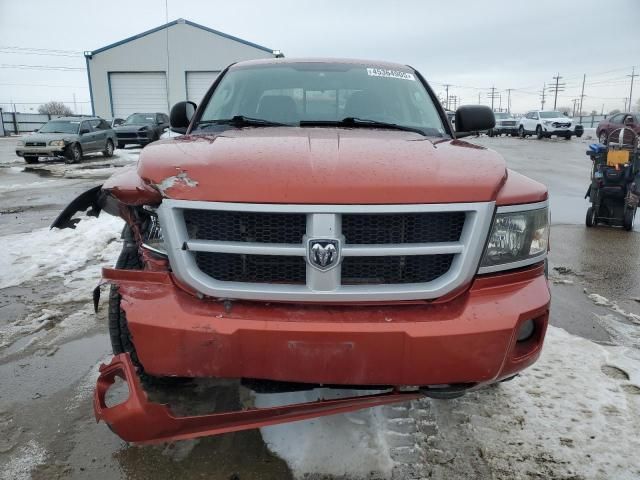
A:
{"x":152,"y":71}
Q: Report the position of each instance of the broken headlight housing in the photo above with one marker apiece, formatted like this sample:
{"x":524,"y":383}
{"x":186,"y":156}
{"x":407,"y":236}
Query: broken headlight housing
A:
{"x":153,"y":239}
{"x":519,"y":237}
{"x":56,"y":143}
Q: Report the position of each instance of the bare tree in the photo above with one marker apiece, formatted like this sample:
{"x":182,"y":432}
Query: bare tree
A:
{"x":565,"y":110}
{"x":614,"y":111}
{"x":55,"y":108}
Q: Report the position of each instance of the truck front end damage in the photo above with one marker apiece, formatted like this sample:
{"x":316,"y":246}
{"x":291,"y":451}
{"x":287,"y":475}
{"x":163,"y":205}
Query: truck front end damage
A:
{"x":292,"y":257}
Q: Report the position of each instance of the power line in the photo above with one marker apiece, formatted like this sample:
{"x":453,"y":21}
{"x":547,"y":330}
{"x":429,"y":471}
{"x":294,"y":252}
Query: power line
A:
{"x":47,"y":50}
{"x":17,"y":52}
{"x":43,"y":85}
{"x":40,"y":67}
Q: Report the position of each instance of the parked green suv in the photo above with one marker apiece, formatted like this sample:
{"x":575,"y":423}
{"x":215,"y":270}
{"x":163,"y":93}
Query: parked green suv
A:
{"x":68,"y":137}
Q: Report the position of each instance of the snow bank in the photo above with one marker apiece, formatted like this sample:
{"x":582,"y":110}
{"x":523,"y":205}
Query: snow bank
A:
{"x":574,"y":414}
{"x":45,"y":253}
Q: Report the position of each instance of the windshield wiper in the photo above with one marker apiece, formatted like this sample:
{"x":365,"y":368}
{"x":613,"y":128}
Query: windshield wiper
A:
{"x":241,"y":121}
{"x":363,"y":123}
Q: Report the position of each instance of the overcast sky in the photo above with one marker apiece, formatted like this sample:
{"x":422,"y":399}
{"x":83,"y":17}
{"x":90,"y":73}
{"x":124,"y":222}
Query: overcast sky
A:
{"x":473,"y":45}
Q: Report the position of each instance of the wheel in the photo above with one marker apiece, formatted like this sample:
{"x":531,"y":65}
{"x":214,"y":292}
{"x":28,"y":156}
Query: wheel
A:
{"x":490,"y":133}
{"x":121,"y":340}
{"x":121,"y":145}
{"x":629,"y":215}
{"x":118,"y":328}
{"x":567,"y":137}
{"x":602,"y":138}
{"x":108,"y":149}
{"x":31,"y":159}
{"x":539,"y":133}
{"x":513,"y":134}
{"x":591,"y":217}
{"x":521,"y":133}
{"x":73,"y":153}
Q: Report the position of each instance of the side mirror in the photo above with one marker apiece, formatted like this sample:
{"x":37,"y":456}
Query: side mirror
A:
{"x":84,"y":130}
{"x":181,"y":115}
{"x":473,"y":118}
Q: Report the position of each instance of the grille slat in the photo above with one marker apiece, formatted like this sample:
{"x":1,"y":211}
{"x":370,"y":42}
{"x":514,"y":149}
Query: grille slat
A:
{"x":227,"y":226}
{"x":428,"y":227}
{"x":395,"y":269}
{"x":229,"y":267}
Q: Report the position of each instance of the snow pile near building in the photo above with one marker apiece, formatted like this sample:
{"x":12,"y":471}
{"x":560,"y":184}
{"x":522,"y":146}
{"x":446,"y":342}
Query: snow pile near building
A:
{"x":574,"y":414}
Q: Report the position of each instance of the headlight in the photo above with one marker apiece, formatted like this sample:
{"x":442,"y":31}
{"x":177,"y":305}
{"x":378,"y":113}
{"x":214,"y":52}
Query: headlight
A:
{"x":547,"y":122}
{"x":56,"y":143}
{"x":153,"y":239}
{"x":519,"y":237}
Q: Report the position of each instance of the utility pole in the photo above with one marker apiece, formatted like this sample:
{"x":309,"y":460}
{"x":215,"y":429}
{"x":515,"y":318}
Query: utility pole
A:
{"x":446,"y":87}
{"x":509,"y":99}
{"x":75,"y":107}
{"x":575,"y":104}
{"x":499,"y":102}
{"x":558,"y":87}
{"x":633,"y":75}
{"x":625,"y":104}
{"x":584,"y":78}
{"x":493,"y":95}
{"x":478,"y":98}
{"x":544,"y":87}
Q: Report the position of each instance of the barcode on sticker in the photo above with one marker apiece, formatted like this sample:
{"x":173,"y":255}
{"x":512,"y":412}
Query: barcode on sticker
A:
{"x":385,"y":72}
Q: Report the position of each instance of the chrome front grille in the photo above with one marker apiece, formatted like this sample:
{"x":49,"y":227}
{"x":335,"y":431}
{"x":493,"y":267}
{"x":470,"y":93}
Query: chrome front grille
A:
{"x":387,"y":252}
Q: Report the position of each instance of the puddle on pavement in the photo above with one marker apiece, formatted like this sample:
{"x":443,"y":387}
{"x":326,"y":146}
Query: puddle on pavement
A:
{"x":40,"y":376}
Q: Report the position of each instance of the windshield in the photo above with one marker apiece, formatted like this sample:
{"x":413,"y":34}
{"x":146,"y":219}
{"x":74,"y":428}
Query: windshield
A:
{"x":140,"y":119}
{"x":551,"y":114}
{"x":60,"y":126}
{"x":325,"y":93}
{"x":501,"y":115}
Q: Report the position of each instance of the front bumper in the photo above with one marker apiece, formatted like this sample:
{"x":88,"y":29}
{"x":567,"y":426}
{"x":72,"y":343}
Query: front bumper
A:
{"x":48,"y":151}
{"x":506,"y":129}
{"x":464,"y":342}
{"x":470,"y":339}
{"x":139,"y":138}
{"x":551,"y":130}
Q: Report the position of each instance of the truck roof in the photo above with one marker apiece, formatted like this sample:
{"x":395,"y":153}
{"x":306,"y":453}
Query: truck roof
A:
{"x":280,"y":61}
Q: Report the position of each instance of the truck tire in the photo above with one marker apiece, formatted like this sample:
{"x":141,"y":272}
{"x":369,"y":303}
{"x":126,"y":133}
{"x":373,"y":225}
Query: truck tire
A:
{"x":121,"y":340}
{"x":118,"y":328}
{"x":629,"y":215}
{"x":590,"y":221}
{"x":108,"y":149}
{"x":521,"y":133}
{"x":73,"y":153}
{"x":490,"y":132}
{"x":539,"y":134}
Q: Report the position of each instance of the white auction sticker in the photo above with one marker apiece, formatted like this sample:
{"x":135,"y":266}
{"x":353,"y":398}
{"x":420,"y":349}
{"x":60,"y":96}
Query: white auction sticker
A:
{"x":384,"y":72}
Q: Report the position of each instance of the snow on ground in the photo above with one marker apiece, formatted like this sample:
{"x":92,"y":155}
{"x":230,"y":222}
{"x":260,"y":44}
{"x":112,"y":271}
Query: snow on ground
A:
{"x":47,"y":253}
{"x":574,"y":414}
{"x":65,"y":266}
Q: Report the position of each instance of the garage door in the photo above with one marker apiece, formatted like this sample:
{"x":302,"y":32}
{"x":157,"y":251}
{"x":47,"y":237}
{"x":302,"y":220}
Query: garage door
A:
{"x":198,"y":83}
{"x":138,"y":92}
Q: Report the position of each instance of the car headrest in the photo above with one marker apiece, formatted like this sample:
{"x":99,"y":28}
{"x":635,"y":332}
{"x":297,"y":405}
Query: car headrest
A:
{"x":277,"y":108}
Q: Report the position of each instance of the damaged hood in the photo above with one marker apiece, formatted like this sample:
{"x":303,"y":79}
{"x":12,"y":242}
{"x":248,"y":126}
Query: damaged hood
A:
{"x":321,"y":166}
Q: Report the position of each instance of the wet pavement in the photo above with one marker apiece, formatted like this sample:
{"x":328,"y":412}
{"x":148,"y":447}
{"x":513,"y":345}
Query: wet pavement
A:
{"x":47,"y":428}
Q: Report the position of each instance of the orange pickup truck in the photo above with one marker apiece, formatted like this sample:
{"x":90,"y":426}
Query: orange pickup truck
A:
{"x":319,"y":223}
